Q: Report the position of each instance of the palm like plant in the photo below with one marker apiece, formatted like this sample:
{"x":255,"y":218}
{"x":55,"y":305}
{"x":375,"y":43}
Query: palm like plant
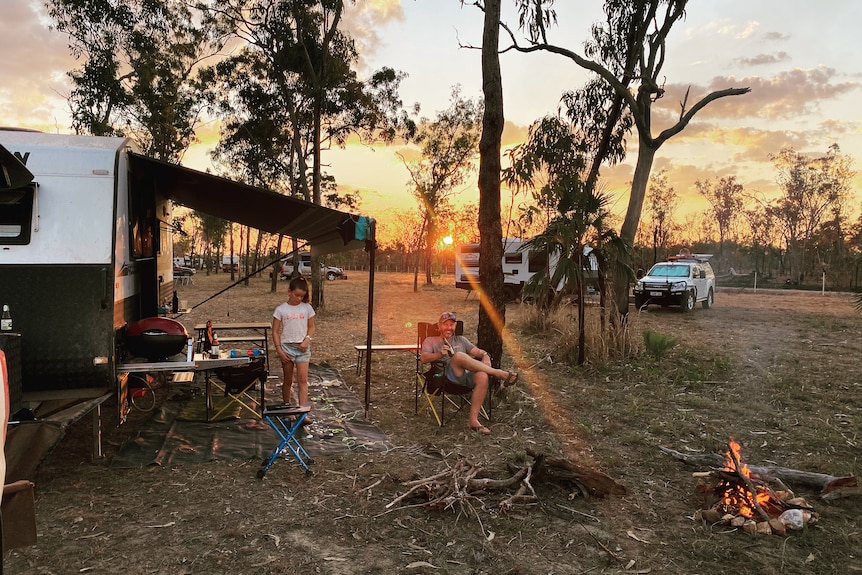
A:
{"x":582,"y":220}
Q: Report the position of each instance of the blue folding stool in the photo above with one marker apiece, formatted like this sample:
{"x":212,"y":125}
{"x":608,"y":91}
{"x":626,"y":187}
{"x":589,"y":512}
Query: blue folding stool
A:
{"x":286,"y":420}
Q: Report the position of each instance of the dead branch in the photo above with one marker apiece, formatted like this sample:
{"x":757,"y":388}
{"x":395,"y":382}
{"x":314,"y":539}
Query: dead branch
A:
{"x":458,"y":483}
{"x":591,"y":481}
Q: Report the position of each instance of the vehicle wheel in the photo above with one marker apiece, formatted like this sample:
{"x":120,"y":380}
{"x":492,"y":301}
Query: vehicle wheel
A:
{"x":141,"y":395}
{"x":331,"y":276}
{"x":707,"y":303}
{"x":688,"y":301}
{"x":640,"y":303}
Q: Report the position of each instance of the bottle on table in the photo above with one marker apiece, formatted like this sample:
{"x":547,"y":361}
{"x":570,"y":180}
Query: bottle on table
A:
{"x":6,"y":319}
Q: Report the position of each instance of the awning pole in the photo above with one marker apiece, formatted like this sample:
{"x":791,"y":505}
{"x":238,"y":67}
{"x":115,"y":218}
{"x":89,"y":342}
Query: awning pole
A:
{"x":371,"y":265}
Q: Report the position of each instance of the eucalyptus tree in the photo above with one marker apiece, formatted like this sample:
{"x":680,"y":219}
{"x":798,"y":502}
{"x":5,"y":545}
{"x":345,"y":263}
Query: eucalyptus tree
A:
{"x":726,"y":200}
{"x":305,"y":63}
{"x":139,"y":63}
{"x":812,"y":189}
{"x":661,"y":204}
{"x":492,"y":309}
{"x":447,"y":150}
{"x":635,"y":78}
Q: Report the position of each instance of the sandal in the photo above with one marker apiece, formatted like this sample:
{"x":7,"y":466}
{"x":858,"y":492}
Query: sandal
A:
{"x":480,"y":429}
{"x":511,"y":379}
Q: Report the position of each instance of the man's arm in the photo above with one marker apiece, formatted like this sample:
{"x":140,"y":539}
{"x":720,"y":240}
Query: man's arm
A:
{"x":433,"y":354}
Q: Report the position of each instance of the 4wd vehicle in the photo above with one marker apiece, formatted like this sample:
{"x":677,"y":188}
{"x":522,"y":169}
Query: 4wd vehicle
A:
{"x":683,"y":280}
{"x":329,"y":272}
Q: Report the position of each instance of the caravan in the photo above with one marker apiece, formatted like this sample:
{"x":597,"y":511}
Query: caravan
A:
{"x":85,"y":250}
{"x":519,"y":265}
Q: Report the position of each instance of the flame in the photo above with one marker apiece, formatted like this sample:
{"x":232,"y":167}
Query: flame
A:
{"x":737,"y":498}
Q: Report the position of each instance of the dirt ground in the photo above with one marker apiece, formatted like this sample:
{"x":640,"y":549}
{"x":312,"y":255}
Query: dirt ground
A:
{"x":777,"y":370}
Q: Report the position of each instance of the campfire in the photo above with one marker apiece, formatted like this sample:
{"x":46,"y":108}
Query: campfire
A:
{"x":735,"y":496}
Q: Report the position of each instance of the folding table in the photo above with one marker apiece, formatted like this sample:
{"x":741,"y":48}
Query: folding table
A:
{"x":286,"y":420}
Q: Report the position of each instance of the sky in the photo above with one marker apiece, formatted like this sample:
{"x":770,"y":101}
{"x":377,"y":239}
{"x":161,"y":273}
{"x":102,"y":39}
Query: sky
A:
{"x":800,"y":59}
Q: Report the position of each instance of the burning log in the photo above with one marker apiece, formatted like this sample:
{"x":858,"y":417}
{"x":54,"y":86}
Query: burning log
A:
{"x":830,"y":486}
{"x":735,"y":496}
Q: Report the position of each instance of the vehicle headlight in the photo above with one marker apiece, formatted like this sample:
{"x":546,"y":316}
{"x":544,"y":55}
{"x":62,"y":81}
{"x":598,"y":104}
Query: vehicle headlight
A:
{"x":677,"y":286}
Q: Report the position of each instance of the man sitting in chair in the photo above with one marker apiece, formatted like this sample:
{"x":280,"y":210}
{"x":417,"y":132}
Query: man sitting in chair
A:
{"x":465,"y":364}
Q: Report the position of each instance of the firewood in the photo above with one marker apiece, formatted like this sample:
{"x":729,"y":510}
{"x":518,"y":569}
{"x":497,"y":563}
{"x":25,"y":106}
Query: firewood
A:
{"x":596,"y":483}
{"x":831,"y":487}
{"x":737,"y":467}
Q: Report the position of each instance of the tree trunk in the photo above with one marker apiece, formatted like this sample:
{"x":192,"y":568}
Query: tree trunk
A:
{"x":492,"y":309}
{"x":646,"y":155}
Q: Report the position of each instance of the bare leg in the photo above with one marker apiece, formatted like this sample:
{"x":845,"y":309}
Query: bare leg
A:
{"x":287,"y":386}
{"x":462,"y":362}
{"x":302,"y":382}
{"x":480,"y":389}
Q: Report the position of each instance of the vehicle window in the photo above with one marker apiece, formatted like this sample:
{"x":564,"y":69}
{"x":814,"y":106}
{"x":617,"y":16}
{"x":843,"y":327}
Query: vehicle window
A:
{"x":670,"y":270}
{"x":16,"y":215}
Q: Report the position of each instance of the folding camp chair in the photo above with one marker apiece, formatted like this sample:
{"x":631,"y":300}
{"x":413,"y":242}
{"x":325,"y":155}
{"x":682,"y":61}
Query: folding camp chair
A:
{"x":435,"y":385}
{"x":237,"y":383}
{"x":286,"y":420}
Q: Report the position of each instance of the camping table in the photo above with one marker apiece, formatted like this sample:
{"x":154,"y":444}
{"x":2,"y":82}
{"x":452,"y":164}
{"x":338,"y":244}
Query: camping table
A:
{"x":361,"y":349}
{"x":200,"y":363}
{"x":207,"y":364}
{"x":258,"y":337}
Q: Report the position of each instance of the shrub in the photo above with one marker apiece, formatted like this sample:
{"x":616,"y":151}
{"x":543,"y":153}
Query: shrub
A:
{"x":658,"y":344}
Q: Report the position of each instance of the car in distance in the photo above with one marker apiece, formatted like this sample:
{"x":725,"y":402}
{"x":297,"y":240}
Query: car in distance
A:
{"x":183,"y":271}
{"x":329,"y":272}
{"x":683,"y":280}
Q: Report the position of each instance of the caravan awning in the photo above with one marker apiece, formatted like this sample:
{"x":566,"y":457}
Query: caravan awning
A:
{"x":325,"y":229}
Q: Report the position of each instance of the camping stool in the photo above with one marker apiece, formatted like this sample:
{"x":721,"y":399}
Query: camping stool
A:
{"x":286,"y":420}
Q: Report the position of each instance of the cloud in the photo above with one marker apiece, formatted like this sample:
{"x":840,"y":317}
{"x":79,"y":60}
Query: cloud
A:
{"x":727,"y":28}
{"x":35,"y":60}
{"x":787,"y":95}
{"x":762,"y":59}
{"x":362,"y":21}
{"x":776,"y":36}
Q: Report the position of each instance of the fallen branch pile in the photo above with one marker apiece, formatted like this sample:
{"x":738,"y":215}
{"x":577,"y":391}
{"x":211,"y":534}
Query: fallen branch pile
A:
{"x":465,"y":480}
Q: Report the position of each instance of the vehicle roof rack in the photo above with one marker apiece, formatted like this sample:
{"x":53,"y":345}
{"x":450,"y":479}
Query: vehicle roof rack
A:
{"x":690,"y":257}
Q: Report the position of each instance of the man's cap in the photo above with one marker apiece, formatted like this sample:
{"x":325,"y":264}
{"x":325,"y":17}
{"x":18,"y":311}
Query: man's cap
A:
{"x":447,"y":315}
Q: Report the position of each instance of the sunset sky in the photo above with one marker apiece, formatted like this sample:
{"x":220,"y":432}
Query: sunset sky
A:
{"x":800,"y":59}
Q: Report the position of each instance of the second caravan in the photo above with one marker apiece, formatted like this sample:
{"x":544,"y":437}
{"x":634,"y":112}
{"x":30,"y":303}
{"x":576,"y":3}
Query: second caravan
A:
{"x":519,"y":265}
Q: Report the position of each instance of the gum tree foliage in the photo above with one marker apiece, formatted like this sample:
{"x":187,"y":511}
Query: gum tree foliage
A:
{"x":636,"y":79}
{"x":447,"y":148}
{"x":139,"y":61}
{"x":291,"y":92}
{"x":814,"y":193}
{"x":726,"y":200}
{"x":661,"y":204}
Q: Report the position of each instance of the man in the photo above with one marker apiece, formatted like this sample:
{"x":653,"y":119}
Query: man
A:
{"x":465,"y":364}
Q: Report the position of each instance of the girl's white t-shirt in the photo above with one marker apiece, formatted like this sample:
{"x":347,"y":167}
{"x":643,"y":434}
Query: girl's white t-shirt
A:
{"x":294,"y":321}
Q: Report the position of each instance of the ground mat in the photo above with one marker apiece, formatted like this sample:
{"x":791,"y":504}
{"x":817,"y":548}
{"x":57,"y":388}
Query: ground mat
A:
{"x":339,"y":426}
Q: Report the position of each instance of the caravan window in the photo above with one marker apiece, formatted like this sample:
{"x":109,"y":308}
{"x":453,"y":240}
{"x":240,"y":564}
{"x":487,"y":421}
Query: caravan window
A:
{"x":16,"y":215}
{"x":513,"y":258}
{"x":538,"y":262}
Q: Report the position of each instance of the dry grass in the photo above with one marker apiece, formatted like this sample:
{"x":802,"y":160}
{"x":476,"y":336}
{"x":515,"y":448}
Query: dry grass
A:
{"x":777,"y":370}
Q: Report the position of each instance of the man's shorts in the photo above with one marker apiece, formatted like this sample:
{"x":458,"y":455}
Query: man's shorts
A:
{"x":466,"y":380}
{"x":295,"y":355}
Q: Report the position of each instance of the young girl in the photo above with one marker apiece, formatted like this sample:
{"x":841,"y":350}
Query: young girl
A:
{"x":292,"y":330}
